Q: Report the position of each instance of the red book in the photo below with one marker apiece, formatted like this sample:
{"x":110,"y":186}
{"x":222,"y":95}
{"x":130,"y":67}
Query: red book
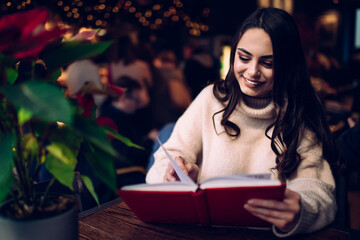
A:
{"x":216,"y":201}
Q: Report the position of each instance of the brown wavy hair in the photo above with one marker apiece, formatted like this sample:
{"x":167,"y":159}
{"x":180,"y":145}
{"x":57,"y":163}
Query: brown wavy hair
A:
{"x":297,"y":104}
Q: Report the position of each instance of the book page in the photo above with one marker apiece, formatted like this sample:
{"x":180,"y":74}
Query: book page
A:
{"x":165,"y":187}
{"x":182,"y":176}
{"x":238,"y":180}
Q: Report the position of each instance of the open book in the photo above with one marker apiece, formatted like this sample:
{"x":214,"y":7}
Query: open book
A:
{"x":215,"y":201}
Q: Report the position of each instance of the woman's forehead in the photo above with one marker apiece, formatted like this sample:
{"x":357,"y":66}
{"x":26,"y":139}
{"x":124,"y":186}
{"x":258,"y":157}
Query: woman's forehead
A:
{"x":256,"y":41}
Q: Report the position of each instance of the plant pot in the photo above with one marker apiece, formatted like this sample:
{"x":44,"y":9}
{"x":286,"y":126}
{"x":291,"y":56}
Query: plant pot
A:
{"x":62,"y":226}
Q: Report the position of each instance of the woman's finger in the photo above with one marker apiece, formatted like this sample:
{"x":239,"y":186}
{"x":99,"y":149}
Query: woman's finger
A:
{"x":291,"y":202}
{"x":170,"y":174}
{"x":270,"y":213}
{"x":284,"y":224}
{"x":193,"y":171}
{"x":283,"y":214}
{"x":269,"y":204}
{"x":180,"y":161}
{"x":285,"y":221}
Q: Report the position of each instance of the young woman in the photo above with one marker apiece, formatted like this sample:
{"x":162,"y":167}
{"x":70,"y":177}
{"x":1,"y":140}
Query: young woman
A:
{"x":264,"y":118}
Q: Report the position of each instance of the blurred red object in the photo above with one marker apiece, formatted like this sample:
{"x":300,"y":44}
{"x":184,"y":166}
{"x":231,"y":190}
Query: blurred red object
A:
{"x":23,"y":34}
{"x":118,"y":90}
{"x":86,"y":102}
{"x":108,"y":122}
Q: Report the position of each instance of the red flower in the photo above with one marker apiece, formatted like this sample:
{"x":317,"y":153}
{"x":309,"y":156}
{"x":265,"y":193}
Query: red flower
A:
{"x":86,"y":102}
{"x":23,"y":34}
{"x":105,"y":121}
{"x":117,"y":90}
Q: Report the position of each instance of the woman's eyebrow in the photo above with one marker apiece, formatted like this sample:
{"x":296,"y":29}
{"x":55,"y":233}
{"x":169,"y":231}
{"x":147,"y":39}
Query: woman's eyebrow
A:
{"x":248,"y":53}
{"x":267,"y":56}
{"x":243,"y":50}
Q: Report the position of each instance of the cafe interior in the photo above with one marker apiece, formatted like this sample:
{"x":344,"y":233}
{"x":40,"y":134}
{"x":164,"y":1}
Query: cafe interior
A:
{"x":180,"y":31}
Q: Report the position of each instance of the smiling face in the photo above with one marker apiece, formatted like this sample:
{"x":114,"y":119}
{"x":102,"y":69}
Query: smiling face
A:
{"x":253,"y":63}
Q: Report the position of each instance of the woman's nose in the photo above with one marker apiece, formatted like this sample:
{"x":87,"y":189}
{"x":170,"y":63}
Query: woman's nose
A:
{"x":253,"y":69}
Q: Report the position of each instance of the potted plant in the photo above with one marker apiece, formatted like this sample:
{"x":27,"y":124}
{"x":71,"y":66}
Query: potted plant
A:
{"x":41,"y":128}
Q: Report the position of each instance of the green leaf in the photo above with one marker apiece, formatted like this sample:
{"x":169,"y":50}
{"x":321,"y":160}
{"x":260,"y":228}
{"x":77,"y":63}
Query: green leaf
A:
{"x":61,"y":163}
{"x":45,"y":101}
{"x":71,"y":52}
{"x":54,"y":75}
{"x":31,"y":146}
{"x":24,"y":115}
{"x":89,"y":185}
{"x":67,"y":135}
{"x":63,"y":153}
{"x":94,"y":133}
{"x":6,"y":161}
{"x":11,"y":75}
{"x":103,"y":167}
{"x":121,"y":138}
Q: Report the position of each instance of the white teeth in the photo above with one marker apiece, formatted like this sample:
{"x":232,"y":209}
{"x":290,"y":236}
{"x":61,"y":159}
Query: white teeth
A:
{"x":251,"y":82}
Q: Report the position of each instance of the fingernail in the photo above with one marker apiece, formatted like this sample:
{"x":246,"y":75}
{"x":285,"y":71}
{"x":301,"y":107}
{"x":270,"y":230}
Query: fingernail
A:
{"x":251,"y":202}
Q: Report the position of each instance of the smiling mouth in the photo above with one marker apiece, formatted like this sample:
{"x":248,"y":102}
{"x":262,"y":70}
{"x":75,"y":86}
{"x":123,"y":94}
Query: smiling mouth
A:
{"x":251,"y":82}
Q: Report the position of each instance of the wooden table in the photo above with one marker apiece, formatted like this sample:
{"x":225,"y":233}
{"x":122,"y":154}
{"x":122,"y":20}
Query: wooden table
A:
{"x":115,"y":221}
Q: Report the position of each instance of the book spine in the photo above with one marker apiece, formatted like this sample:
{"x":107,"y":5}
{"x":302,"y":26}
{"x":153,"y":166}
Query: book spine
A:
{"x":201,"y":206}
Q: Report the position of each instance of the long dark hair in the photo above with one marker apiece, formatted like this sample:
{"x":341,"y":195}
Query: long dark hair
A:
{"x":295,"y":100}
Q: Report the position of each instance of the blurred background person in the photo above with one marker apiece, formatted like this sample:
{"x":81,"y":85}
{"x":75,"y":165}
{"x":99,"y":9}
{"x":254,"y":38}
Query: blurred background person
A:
{"x":171,"y":95}
{"x":201,"y":69}
{"x":128,"y":64}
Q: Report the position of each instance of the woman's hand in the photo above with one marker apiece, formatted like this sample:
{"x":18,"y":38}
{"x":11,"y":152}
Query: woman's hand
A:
{"x":283,"y":214}
{"x":189,"y":168}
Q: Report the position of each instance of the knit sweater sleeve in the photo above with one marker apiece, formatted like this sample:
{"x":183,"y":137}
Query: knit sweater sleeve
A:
{"x":315,"y":184}
{"x":185,"y":140}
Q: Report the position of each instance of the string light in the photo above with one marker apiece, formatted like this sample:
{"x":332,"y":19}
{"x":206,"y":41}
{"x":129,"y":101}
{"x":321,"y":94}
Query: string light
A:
{"x":175,"y":18}
{"x":98,"y":22}
{"x":90,"y":17}
{"x":148,"y":13}
{"x":158,"y":21}
{"x":156,"y":7}
{"x":101,"y":13}
{"x":102,"y":6}
{"x":166,"y":14}
{"x":142,"y":19}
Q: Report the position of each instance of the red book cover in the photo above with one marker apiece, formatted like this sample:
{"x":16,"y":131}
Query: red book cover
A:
{"x":218,"y":201}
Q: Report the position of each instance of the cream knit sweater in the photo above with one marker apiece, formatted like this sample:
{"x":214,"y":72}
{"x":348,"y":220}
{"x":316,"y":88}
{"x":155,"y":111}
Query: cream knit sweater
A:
{"x":201,"y":140}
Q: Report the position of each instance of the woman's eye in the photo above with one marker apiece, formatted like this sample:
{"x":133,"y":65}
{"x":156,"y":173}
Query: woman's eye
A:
{"x":268,"y":64}
{"x":244,"y":58}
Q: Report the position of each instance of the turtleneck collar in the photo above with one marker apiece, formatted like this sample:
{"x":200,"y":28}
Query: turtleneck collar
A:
{"x":252,"y":110}
{"x":255,"y":107}
{"x":256,"y":102}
